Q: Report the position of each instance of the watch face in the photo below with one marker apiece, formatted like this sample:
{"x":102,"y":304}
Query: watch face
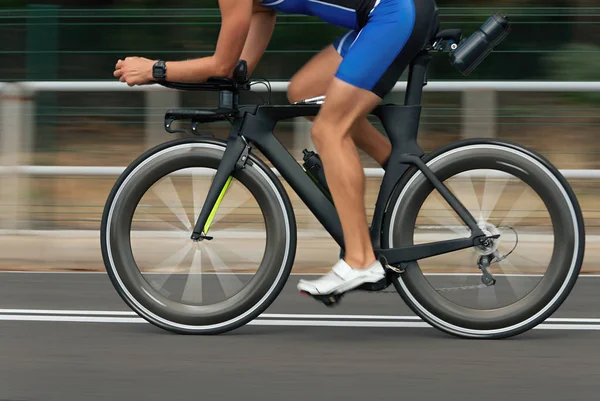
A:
{"x":158,"y":70}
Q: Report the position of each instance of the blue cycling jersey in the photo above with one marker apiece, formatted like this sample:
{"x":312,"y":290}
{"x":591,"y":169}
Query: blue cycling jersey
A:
{"x":351,"y":14}
{"x":384,"y":36}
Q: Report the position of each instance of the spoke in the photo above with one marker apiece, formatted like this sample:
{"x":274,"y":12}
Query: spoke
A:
{"x":174,"y":260}
{"x":242,"y":231}
{"x":151,"y":220}
{"x":528,"y":261}
{"x":193,"y":286}
{"x":235,"y":199}
{"x":229,"y":283}
{"x":470,"y":198}
{"x":161,"y":234}
{"x":512,"y":288}
{"x":516,"y":213}
{"x":167,"y":193}
{"x":491,"y":195}
{"x":487,"y":297}
{"x":541,"y":233}
{"x":244,"y":228}
{"x":197,"y":190}
{"x":250,"y":253}
{"x":448,"y":220}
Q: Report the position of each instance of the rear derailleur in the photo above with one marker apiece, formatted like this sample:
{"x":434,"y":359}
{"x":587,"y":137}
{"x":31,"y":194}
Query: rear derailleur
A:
{"x":484,"y":263}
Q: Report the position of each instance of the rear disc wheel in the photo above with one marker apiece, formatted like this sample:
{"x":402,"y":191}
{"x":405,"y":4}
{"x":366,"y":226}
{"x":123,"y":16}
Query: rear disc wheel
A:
{"x":535,"y":263}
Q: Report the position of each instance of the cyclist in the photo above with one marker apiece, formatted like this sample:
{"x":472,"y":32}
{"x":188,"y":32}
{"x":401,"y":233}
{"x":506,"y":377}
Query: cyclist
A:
{"x":354,"y":73}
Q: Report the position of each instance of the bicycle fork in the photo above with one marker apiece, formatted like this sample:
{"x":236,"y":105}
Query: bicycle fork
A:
{"x":234,"y":158}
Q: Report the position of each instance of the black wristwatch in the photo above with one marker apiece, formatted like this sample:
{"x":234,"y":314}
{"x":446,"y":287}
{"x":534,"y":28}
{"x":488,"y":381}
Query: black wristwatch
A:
{"x":159,"y":70}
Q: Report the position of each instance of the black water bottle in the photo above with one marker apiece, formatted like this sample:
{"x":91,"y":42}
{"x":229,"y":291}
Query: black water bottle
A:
{"x":314,"y":169}
{"x":480,"y":44}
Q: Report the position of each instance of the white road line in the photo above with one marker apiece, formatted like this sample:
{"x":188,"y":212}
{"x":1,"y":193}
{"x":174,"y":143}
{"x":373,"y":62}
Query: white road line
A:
{"x":333,"y":317}
{"x":50,"y":313}
{"x":582,"y":327}
{"x":65,"y":312}
{"x":573,"y":320}
{"x":333,"y":323}
{"x":269,"y":319}
{"x":262,"y":322}
{"x":69,"y":319}
{"x":338,"y":323}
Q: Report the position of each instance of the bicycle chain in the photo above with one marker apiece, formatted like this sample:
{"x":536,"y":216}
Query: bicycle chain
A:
{"x":447,"y":289}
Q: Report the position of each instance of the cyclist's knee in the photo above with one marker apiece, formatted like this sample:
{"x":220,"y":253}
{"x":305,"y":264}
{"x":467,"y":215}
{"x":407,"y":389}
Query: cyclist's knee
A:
{"x":324,"y":132}
{"x":296,"y":89}
{"x":303,"y":87}
{"x":317,"y":133}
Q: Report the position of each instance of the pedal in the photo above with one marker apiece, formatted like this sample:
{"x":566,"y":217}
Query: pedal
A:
{"x":329,"y":300}
{"x":375,"y":287}
{"x":332,"y":300}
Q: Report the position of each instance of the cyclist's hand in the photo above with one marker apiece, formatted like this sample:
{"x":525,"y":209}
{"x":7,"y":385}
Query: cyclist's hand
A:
{"x":134,"y":70}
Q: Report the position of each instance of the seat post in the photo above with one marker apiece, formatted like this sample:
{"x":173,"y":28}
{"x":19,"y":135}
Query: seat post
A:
{"x":417,"y":79}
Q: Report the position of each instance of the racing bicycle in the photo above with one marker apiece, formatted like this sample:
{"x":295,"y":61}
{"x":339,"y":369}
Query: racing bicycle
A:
{"x":482,"y":238}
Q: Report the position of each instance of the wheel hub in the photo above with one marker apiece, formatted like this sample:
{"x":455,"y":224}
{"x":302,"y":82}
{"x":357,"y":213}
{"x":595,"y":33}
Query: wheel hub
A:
{"x":490,"y":245}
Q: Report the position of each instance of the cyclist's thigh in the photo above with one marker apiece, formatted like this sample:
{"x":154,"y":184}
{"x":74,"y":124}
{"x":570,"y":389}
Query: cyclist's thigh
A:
{"x":394,"y":34}
{"x":314,"y":77}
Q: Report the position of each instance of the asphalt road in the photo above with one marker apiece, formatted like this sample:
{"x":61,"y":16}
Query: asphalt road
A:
{"x":69,"y":337}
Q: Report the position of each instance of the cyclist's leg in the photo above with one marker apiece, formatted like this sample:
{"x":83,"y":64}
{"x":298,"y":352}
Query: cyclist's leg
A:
{"x":395,"y":33}
{"x":316,"y":76}
{"x":341,"y":162}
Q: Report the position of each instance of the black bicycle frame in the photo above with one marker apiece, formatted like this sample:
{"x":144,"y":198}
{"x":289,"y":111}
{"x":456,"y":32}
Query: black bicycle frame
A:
{"x":253,"y":126}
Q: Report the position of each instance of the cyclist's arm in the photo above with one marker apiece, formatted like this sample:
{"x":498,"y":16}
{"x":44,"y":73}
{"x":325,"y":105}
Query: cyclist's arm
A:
{"x":241,"y":36}
{"x":235,"y":24}
{"x":259,"y":36}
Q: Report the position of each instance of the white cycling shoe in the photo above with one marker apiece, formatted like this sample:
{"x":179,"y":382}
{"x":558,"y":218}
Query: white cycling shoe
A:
{"x":343,"y":278}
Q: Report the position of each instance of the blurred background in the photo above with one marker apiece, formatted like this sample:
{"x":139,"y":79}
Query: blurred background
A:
{"x":71,"y":128}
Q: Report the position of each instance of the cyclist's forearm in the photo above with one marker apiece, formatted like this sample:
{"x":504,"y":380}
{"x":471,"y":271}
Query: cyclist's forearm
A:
{"x":197,"y":70}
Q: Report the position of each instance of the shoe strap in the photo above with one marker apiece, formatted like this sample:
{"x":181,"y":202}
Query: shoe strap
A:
{"x":341,"y":268}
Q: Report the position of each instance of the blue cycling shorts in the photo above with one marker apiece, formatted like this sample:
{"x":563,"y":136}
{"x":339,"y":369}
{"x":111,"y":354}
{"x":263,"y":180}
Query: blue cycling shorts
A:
{"x":375,"y":56}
